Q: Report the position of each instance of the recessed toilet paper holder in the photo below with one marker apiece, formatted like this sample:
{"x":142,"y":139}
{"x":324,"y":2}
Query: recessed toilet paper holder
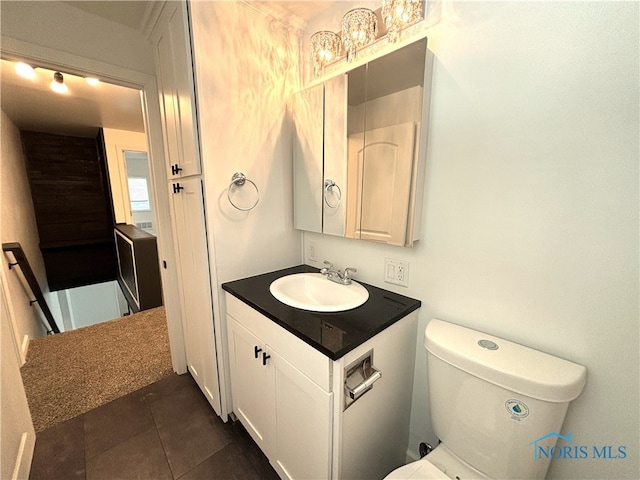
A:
{"x":359,"y":378}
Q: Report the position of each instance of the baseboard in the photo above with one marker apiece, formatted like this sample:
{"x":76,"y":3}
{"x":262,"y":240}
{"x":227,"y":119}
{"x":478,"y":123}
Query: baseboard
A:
{"x":412,"y":456}
{"x":24,"y":457}
{"x":25,"y":346}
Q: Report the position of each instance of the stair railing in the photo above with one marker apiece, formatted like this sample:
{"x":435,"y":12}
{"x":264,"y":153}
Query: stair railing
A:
{"x":22,"y":262}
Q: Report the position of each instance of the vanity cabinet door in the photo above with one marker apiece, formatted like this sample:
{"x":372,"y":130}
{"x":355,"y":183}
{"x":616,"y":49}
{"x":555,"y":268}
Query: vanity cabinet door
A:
{"x":251,"y":386}
{"x":304,"y":429}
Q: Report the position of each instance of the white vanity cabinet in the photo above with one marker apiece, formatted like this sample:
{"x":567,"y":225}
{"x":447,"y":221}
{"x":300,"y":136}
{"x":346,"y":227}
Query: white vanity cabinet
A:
{"x":292,"y":398}
{"x":287,"y":409}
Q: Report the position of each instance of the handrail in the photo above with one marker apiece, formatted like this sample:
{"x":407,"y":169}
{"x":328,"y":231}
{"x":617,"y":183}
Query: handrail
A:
{"x":23,"y":263}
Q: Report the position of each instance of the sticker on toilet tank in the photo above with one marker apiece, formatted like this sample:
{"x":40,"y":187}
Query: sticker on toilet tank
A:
{"x":516,"y":409}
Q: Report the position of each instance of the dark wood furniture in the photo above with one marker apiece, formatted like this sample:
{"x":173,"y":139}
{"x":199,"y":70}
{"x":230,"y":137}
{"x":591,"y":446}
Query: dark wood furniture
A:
{"x":73,"y":208}
{"x":138,"y":267}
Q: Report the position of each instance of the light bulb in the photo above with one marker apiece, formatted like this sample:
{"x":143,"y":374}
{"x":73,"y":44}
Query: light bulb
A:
{"x":25,"y":70}
{"x":92,"y":81}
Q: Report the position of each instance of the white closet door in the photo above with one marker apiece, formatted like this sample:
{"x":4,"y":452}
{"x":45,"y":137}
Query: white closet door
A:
{"x":191,"y":238}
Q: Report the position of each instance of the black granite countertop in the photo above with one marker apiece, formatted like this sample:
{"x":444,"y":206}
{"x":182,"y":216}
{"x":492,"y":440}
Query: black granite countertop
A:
{"x":333,"y":334}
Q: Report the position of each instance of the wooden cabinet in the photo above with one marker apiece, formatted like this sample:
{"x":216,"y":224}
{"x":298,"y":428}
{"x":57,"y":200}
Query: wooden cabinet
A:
{"x":253,"y":402}
{"x":138,"y":267}
{"x":303,"y":430}
{"x":190,"y":234}
{"x":285,"y":411}
{"x":174,"y":71}
{"x":291,"y":398}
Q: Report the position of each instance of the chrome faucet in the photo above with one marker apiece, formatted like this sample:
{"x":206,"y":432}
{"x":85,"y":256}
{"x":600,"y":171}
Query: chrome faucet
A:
{"x":337,"y":276}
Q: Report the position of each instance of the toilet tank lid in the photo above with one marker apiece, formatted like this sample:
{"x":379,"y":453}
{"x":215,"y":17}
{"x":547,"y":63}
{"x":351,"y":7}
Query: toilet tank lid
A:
{"x":512,"y":366}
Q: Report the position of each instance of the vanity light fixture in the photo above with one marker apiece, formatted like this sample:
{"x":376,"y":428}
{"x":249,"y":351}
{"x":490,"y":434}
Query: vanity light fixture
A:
{"x":325,"y":48}
{"x":92,"y":81}
{"x":57,"y":84}
{"x":25,"y":70}
{"x":359,"y":28}
{"x":398,"y":14}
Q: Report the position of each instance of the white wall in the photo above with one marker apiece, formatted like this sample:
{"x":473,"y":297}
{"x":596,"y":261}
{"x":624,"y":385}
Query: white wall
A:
{"x":18,"y":435}
{"x":530,"y":227}
{"x":62,"y":27}
{"x":91,"y":304}
{"x":246,"y":67}
{"x":18,"y":224}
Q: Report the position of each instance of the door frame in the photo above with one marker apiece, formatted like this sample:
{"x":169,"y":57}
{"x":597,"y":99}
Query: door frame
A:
{"x":11,"y":48}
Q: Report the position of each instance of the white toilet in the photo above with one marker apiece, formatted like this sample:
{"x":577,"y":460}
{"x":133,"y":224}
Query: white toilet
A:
{"x":496,"y":406}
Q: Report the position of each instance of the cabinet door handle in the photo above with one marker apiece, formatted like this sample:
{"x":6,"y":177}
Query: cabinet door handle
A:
{"x":265,"y":357}
{"x":256,"y":350}
{"x":177,"y":187}
{"x":175,"y":169}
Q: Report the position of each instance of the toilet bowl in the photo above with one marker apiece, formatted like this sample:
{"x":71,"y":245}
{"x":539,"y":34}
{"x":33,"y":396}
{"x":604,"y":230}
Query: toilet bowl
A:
{"x":421,"y":469}
{"x":490,"y":399}
{"x":440,"y":463}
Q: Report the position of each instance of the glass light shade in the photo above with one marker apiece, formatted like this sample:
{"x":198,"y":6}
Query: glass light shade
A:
{"x":92,"y":81}
{"x":359,"y":28}
{"x":398,"y":14}
{"x":325,"y":48}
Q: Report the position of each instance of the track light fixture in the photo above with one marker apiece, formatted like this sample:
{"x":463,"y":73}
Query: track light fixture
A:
{"x":57,"y":84}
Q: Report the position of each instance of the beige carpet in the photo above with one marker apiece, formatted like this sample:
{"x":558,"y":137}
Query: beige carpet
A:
{"x":68,"y":374}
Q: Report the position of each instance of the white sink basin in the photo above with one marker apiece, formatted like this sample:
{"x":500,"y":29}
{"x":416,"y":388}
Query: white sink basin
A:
{"x":315,"y":292}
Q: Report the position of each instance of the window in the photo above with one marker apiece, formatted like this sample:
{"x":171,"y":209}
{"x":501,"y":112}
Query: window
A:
{"x":139,"y":194}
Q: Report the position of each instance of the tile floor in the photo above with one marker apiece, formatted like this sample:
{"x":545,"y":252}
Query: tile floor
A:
{"x":166,"y":430}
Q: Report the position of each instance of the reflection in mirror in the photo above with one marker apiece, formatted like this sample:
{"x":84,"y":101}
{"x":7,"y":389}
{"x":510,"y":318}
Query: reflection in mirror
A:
{"x":359,"y":148}
{"x":335,"y":160}
{"x":307,"y":107}
{"x":385,"y":114}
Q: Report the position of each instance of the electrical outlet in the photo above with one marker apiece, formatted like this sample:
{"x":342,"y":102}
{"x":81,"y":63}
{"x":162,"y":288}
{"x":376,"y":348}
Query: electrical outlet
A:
{"x":312,"y":251}
{"x":396,"y":272}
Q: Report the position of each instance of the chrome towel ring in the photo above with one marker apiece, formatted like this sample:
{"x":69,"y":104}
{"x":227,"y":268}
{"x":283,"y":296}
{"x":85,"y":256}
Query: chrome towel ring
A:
{"x":328,"y":186}
{"x":239,"y":179}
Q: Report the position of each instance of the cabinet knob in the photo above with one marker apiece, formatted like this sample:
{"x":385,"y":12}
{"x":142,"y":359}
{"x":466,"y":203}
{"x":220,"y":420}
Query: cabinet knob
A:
{"x":265,"y":357}
{"x":256,"y":350}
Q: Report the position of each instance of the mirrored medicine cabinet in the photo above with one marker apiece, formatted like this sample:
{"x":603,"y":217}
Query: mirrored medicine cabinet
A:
{"x":359,"y":148}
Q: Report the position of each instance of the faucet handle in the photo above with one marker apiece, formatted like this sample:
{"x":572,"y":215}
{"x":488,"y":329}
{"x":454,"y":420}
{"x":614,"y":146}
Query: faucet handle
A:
{"x":328,"y":267}
{"x":348,"y":271}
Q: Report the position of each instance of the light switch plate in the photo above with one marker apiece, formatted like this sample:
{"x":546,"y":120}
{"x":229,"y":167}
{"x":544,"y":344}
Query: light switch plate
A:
{"x":396,"y":272}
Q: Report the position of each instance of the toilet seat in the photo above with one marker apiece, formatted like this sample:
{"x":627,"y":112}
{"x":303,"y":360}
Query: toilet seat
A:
{"x":421,"y":469}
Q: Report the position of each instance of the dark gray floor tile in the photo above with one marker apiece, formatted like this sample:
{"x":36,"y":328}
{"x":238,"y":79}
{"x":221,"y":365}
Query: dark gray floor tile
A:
{"x":189,"y":429}
{"x":191,"y":441}
{"x":229,"y":463}
{"x":140,"y":457}
{"x":251,"y":452}
{"x":167,"y":386}
{"x":115,"y":422}
{"x":177,"y":402}
{"x":59,"y":452}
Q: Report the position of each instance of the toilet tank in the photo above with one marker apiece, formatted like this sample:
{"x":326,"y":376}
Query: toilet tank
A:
{"x":494,"y":403}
